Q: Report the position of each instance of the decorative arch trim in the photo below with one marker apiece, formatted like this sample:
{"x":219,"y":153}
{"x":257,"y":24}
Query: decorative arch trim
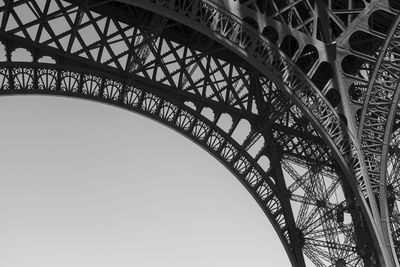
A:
{"x":47,"y":79}
{"x":215,"y":21}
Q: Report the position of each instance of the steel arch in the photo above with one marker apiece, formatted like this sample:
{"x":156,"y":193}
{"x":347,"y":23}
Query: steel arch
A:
{"x":260,"y":53}
{"x":294,"y":83}
{"x":378,"y":117}
{"x":36,"y":78}
{"x":28,"y":78}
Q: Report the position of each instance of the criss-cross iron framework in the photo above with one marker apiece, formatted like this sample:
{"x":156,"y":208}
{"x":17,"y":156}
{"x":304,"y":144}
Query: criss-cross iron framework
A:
{"x":298,"y":98}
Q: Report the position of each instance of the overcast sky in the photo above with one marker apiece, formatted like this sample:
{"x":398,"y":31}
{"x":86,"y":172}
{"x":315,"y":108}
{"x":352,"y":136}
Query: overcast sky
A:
{"x":84,"y":184}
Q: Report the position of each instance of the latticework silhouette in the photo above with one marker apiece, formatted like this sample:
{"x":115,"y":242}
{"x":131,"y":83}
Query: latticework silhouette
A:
{"x":298,"y":98}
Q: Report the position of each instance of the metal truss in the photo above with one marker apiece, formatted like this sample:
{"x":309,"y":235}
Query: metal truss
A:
{"x":378,"y":117}
{"x":297,"y":98}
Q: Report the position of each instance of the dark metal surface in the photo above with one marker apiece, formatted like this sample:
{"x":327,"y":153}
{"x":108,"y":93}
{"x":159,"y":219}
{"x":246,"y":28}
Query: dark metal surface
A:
{"x":297,"y":98}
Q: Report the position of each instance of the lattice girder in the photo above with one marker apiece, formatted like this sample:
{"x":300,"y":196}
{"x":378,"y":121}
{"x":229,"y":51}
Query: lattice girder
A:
{"x":313,"y":104}
{"x":195,"y":97}
{"x":376,"y":123}
{"x":372,"y":94}
{"x":25,"y":78}
{"x":107,"y":62}
{"x":24,"y":82}
{"x":222,"y":86}
{"x":306,"y":96}
{"x":264,"y":185}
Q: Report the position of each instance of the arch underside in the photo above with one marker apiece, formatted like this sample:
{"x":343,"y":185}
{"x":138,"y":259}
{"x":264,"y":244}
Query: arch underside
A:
{"x":376,"y":130}
{"x":374,"y":93}
{"x":316,"y":211}
{"x":289,"y":157}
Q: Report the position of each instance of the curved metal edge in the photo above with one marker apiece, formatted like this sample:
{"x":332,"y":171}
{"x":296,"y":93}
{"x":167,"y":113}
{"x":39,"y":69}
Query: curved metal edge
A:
{"x":389,"y":121}
{"x":385,"y":216}
{"x":240,"y":172}
{"x":330,"y":126}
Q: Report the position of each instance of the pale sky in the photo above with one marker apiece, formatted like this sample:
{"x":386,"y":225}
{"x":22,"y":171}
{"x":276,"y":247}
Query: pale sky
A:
{"x":84,"y":184}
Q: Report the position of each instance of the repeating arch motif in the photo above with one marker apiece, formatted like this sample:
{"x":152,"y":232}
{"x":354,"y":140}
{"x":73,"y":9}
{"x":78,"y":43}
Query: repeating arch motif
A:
{"x":261,"y":53}
{"x":261,"y":183}
{"x":217,"y":22}
{"x":46,"y":79}
{"x":209,"y":16}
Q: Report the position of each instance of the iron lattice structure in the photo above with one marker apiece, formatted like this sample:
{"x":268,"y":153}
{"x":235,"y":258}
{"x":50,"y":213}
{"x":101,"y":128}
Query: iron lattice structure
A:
{"x":298,"y":98}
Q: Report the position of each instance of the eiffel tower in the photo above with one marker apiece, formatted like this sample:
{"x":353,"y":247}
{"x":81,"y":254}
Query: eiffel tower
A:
{"x":297,"y":98}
